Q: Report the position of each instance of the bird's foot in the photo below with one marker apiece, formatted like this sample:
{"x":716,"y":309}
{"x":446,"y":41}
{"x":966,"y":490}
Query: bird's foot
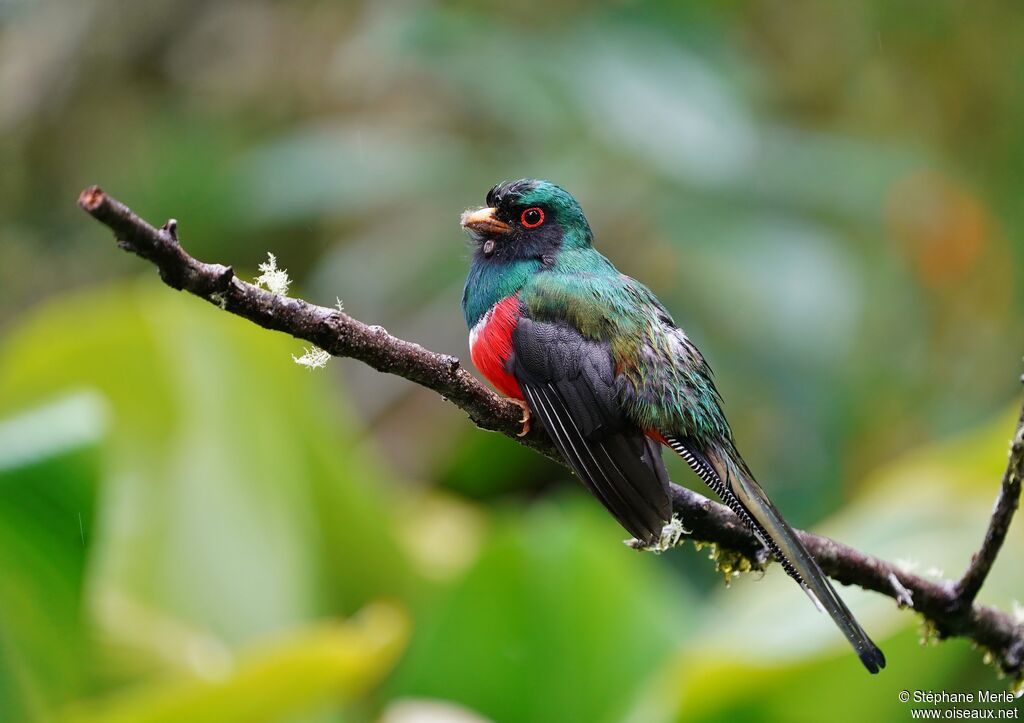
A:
{"x":671,"y":534}
{"x":525,"y":421}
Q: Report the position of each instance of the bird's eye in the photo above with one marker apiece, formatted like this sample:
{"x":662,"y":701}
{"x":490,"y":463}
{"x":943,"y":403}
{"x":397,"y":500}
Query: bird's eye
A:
{"x":532,"y":217}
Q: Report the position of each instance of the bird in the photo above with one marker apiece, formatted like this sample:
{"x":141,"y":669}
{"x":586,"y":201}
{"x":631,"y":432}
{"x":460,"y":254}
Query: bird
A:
{"x":597,"y":360}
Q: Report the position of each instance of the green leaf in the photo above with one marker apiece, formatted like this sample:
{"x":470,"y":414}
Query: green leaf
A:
{"x":48,"y":473}
{"x":235,"y":504}
{"x":555,"y":609}
{"x":325,"y":662}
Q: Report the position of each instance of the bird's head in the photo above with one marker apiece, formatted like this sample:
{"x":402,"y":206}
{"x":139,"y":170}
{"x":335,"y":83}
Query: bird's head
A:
{"x":527,"y":219}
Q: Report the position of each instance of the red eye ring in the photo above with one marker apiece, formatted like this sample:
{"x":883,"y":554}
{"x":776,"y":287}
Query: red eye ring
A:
{"x":535,"y":215}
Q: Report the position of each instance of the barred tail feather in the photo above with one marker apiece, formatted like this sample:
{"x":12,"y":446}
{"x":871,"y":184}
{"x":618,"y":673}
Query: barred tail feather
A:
{"x":725,"y":472}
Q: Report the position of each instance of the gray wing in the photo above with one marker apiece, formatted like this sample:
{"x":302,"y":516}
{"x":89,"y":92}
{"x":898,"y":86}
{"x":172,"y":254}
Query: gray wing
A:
{"x":570,"y":384}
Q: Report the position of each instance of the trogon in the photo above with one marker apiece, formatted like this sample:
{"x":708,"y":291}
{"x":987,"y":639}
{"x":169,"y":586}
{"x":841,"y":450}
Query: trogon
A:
{"x":597,"y":360}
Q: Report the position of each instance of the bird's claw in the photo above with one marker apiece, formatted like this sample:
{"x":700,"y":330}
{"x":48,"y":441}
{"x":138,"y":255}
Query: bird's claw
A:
{"x":525,"y":421}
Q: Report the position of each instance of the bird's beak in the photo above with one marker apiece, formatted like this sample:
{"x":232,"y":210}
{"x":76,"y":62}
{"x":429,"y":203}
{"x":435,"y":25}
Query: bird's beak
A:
{"x":483,"y":221}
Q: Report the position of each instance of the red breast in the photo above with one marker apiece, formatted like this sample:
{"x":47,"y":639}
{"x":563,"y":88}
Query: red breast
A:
{"x":490,"y":344}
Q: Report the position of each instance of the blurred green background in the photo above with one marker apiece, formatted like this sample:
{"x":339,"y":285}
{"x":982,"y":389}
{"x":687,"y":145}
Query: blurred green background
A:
{"x":192,"y":527}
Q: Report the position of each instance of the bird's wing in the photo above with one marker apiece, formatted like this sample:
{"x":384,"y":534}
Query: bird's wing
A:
{"x":665,"y":383}
{"x":570,"y":384}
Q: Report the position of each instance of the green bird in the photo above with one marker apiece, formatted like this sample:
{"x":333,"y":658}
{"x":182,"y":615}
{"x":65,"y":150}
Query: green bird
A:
{"x":595,"y":357}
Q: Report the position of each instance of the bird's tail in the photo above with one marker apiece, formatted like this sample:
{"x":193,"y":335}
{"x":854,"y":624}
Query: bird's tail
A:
{"x":722,"y":468}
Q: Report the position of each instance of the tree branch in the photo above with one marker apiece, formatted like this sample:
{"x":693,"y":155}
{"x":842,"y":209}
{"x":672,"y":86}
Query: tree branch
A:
{"x":947,"y":605}
{"x":1006,"y":504}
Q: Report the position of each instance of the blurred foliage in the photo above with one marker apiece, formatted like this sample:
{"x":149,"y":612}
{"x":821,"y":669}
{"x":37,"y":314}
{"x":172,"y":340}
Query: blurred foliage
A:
{"x":328,"y":661}
{"x":825,"y":194}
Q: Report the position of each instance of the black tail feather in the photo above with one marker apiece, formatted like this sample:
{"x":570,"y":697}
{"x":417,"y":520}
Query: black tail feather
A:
{"x":724,"y":471}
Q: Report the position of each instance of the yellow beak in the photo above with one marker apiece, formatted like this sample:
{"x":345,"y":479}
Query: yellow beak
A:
{"x":483,"y":221}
